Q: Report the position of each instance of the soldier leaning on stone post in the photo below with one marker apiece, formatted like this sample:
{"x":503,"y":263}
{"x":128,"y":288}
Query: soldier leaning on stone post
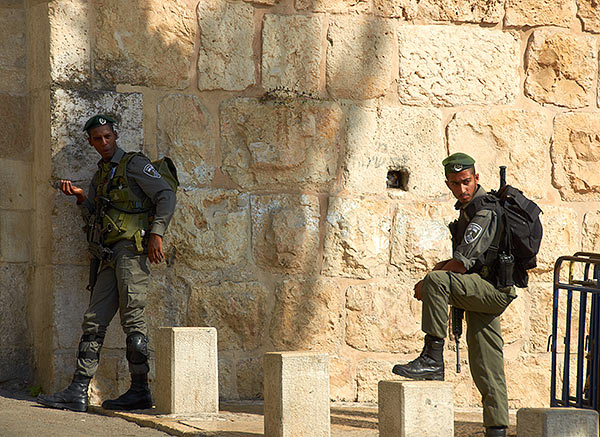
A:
{"x":463,"y":283}
{"x":132,"y":238}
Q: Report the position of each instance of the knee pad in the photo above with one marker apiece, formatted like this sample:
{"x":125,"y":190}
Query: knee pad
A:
{"x":137,"y":348}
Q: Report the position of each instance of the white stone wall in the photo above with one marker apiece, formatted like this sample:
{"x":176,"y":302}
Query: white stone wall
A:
{"x":284,"y":117}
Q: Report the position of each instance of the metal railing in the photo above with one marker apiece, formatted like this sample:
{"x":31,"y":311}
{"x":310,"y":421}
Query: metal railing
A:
{"x":583,"y":285}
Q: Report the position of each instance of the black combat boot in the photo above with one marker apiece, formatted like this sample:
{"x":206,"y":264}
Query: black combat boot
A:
{"x":136,"y":398}
{"x":495,"y":431}
{"x":429,"y":365}
{"x":74,"y":397}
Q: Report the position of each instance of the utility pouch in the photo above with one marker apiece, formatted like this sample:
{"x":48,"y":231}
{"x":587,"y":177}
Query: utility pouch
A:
{"x":504,"y":271}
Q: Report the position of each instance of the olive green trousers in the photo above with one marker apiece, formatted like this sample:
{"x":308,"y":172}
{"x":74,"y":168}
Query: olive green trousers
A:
{"x":483,"y":303}
{"x":122,"y":285}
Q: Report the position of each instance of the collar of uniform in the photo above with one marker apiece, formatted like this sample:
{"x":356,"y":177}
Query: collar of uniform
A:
{"x":480,"y":192}
{"x":116,"y":158}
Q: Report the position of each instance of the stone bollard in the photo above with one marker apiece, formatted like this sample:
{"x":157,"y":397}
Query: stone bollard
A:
{"x":416,"y":409}
{"x":549,"y":422}
{"x":296,"y":390}
{"x":186,"y":371}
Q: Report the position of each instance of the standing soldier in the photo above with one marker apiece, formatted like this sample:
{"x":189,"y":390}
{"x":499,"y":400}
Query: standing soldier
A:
{"x":128,"y":208}
{"x":467,"y":281}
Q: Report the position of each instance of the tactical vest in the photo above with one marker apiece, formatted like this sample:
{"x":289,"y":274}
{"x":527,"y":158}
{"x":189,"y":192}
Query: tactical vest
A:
{"x":127,"y":217}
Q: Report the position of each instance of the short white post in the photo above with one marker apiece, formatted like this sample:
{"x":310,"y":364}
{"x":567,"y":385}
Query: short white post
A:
{"x":549,"y":422}
{"x":296,"y":389}
{"x":186,"y":371}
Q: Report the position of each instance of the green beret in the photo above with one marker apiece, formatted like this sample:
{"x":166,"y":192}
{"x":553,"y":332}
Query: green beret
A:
{"x":98,"y":120}
{"x":458,"y":162}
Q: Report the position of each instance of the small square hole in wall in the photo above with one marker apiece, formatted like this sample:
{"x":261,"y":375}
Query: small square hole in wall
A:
{"x":398,"y":179}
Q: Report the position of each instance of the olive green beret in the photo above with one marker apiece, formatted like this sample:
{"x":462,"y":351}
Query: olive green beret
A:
{"x":458,"y":162}
{"x":98,"y":120}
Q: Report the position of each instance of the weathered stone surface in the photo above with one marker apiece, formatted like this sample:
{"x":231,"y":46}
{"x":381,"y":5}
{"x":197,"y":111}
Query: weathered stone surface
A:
{"x":342,"y":6}
{"x":383,"y":317}
{"x":12,"y":38}
{"x":450,"y":66}
{"x":505,"y":137}
{"x":210,"y":229}
{"x":280,"y":144}
{"x":14,"y":287}
{"x":14,"y":115}
{"x":68,"y":238}
{"x":226,"y":58}
{"x":342,"y":379}
{"x":13,"y":81}
{"x":291,"y":54}
{"x":72,"y":156}
{"x":561,"y":67}
{"x":420,"y":237}
{"x":71,"y":299}
{"x":15,"y":229}
{"x":591,"y":232}
{"x":186,"y":135}
{"x":16,"y":183}
{"x":69,"y":41}
{"x":587,"y":11}
{"x":360,"y":57}
{"x":540,"y":422}
{"x":389,"y":138}
{"x":406,"y":9}
{"x":369,"y":373}
{"x":562,"y":236}
{"x":151,"y":44}
{"x":540,"y":13}
{"x":575,"y":156}
{"x":168,"y":296}
{"x":16,"y":365}
{"x":112,"y":378}
{"x":237,"y":310}
{"x":535,"y":370}
{"x":514,"y":320}
{"x":357,"y":238}
{"x":249,"y":373}
{"x":478,"y":11}
{"x":285,"y":232}
{"x":539,"y":296}
{"x":308,"y":315}
{"x":227,"y":380}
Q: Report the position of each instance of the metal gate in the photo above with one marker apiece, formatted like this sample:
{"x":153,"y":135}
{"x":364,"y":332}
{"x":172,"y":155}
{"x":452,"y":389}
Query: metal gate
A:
{"x":578,"y":302}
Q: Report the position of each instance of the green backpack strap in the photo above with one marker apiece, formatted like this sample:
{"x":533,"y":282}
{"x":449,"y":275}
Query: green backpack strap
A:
{"x":168,"y":171}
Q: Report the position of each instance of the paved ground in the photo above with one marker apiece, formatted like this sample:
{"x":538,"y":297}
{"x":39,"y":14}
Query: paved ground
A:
{"x":21,"y":416}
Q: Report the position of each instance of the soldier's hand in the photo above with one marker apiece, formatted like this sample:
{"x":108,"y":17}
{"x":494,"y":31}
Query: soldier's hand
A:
{"x":417,"y":289}
{"x":155,"y":249}
{"x":69,"y":189}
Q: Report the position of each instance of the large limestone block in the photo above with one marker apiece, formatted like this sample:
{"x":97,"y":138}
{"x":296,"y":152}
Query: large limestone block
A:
{"x":561,"y":67}
{"x":13,"y":81}
{"x":250,"y":378}
{"x":291,"y":54}
{"x":237,"y":310}
{"x":71,"y":299}
{"x":14,"y":116}
{"x":562,"y":236}
{"x":420,"y":237}
{"x":168,"y":296}
{"x":535,"y":370}
{"x":146,"y":42}
{"x":308,"y":315}
{"x":416,"y":409}
{"x":514,"y":320}
{"x":296,"y":394}
{"x":357,"y":238}
{"x":14,"y":287}
{"x":16,"y":183}
{"x":226,"y":57}
{"x":69,"y":41}
{"x":280,"y":144}
{"x":69,"y":242}
{"x":285,"y":232}
{"x":451,"y":66}
{"x":587,"y":12}
{"x":547,"y":422}
{"x":227,"y":386}
{"x":575,"y":156}
{"x":591,"y":232}
{"x":539,"y":296}
{"x":368,"y":374}
{"x":186,"y":135}
{"x":72,"y":156}
{"x":15,"y":232}
{"x":15,"y":364}
{"x":406,"y":9}
{"x":383,"y":317}
{"x":518,"y":139}
{"x":471,"y":11}
{"x":335,"y":6}
{"x":342,"y":379}
{"x":540,"y":13}
{"x":360,"y":57}
{"x":404,"y":139}
{"x":211,"y":229}
{"x":186,"y":371}
{"x":12,"y":38}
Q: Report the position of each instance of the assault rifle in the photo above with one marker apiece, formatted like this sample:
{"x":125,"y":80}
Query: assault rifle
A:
{"x":95,"y":237}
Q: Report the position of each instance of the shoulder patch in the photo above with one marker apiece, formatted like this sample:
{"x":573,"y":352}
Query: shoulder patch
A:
{"x":473,"y":232}
{"x":151,"y":171}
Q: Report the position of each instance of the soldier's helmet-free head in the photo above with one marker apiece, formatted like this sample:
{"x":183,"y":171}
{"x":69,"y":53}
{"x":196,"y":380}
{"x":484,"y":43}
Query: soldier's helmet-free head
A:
{"x":462,"y":183}
{"x":99,"y":120}
{"x":458,"y":162}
